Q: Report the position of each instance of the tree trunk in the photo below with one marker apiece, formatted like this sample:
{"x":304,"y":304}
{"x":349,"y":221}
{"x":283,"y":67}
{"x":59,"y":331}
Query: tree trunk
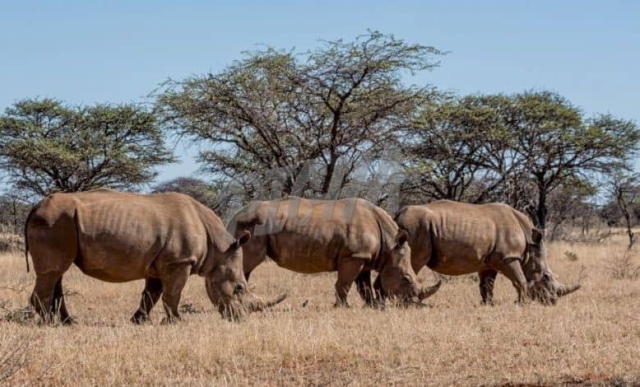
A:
{"x":541,"y":212}
{"x":331,"y":167}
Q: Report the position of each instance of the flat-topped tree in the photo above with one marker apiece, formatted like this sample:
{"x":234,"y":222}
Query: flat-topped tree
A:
{"x":314,"y":113}
{"x":48,"y":146}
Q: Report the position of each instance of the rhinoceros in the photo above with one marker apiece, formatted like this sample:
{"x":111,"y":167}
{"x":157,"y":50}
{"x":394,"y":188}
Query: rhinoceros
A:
{"x":350,"y":236}
{"x":455,"y":238}
{"x":119,"y":237}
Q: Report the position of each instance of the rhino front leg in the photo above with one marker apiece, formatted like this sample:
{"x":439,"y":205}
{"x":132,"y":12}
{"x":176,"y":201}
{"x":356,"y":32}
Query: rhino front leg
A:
{"x":487,"y":280}
{"x":380,"y":293}
{"x":172,"y":284}
{"x":42,"y":298}
{"x":60,"y":305}
{"x":365,"y":289}
{"x":512,"y":269}
{"x":150,"y":296}
{"x":348,"y":270}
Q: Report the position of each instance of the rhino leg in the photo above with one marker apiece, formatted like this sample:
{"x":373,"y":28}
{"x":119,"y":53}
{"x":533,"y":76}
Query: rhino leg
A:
{"x":512,"y":269}
{"x":487,"y":279}
{"x":60,"y":305}
{"x":380,"y":293}
{"x":42,"y":298}
{"x":348,"y":270}
{"x":172,"y":284}
{"x":365,"y":289}
{"x":150,"y":296}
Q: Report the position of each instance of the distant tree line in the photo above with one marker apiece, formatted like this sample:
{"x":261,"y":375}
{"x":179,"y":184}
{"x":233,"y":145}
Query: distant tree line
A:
{"x":336,"y":121}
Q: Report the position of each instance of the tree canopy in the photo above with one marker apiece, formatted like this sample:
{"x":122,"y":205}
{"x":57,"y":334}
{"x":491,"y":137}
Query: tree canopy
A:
{"x":316,"y":113}
{"x":47,"y":146}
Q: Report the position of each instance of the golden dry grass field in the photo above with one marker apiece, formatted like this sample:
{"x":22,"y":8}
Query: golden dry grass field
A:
{"x":591,"y":337}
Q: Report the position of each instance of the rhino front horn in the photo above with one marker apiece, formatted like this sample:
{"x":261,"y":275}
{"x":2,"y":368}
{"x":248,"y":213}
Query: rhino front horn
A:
{"x":564,"y":290}
{"x":429,"y":291}
{"x":257,"y":305}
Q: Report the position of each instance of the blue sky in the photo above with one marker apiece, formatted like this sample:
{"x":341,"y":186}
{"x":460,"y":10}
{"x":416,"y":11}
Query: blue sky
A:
{"x":118,"y":51}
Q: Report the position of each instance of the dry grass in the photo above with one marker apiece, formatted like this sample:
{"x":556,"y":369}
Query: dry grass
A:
{"x":591,"y":337}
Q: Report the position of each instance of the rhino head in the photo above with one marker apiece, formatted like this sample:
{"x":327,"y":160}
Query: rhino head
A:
{"x":398,"y":277}
{"x":541,"y":283}
{"x":226,"y":284}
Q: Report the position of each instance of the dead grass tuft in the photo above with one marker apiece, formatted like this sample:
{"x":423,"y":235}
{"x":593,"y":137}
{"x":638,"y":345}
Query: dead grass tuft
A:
{"x":13,"y":356}
{"x":622,"y":266}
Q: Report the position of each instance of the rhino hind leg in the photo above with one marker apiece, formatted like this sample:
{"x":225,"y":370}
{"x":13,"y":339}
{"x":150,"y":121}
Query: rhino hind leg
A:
{"x":348,"y":271}
{"x":150,"y":296}
{"x":487,"y":280}
{"x":172,"y":284}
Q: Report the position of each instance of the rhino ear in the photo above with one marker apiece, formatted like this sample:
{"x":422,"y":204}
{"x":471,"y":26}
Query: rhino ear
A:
{"x":242,"y":239}
{"x":401,"y":237}
{"x":536,"y":236}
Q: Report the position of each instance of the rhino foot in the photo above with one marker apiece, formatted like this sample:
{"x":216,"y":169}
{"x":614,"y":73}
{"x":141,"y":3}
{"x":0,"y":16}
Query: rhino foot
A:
{"x":341,"y":304}
{"x":377,"y":305}
{"x":171,"y":320}
{"x":69,"y":321}
{"x":140,"y":318}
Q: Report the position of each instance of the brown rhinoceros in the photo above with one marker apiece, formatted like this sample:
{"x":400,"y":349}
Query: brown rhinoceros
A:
{"x":455,"y":238}
{"x":119,"y":237}
{"x":350,"y":236}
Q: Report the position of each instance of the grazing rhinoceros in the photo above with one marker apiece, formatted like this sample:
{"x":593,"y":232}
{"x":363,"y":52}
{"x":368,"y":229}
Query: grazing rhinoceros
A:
{"x":456,"y":238}
{"x":350,"y":236}
{"x":119,"y":237}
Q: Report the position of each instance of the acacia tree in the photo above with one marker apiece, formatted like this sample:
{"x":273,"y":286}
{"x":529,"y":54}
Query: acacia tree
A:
{"x":313,"y":113}
{"x":557,"y":144}
{"x":459,"y":149}
{"x":624,"y":191}
{"x":47,"y":146}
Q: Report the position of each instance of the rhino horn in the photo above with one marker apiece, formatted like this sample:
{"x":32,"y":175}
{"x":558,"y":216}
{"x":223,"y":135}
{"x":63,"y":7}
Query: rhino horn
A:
{"x":564,"y":290}
{"x":428,"y":291}
{"x":257,"y":305}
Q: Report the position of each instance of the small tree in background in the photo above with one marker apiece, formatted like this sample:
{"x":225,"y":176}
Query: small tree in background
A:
{"x":625,"y":191}
{"x":215,"y":196}
{"x":47,"y":146}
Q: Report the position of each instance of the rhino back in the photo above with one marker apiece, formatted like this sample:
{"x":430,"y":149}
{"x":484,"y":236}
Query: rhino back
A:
{"x":310,"y":236}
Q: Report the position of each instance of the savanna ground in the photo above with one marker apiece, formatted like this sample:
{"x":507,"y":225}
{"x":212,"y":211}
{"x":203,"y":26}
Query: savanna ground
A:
{"x":591,"y":337}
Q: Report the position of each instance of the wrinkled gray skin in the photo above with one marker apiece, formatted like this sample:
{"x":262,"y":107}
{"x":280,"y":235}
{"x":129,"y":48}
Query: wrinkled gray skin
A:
{"x":350,"y":236}
{"x":120,"y":237}
{"x":456,"y":238}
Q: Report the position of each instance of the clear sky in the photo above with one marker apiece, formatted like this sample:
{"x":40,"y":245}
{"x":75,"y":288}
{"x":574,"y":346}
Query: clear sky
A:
{"x":118,"y":51}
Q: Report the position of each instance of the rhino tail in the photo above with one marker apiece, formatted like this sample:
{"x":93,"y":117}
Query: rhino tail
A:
{"x":26,"y":238}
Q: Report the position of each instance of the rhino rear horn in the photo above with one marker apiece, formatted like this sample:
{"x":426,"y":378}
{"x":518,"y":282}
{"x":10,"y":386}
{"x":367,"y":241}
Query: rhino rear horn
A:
{"x":564,"y":290}
{"x":429,"y":291}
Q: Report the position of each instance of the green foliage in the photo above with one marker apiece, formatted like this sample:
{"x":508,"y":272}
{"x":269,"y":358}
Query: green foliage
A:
{"x":456,"y":149}
{"x":321,"y":110}
{"x":46,"y":146}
